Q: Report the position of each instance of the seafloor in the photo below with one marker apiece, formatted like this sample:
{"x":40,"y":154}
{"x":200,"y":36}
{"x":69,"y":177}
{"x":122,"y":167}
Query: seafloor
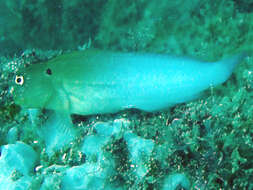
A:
{"x":203,"y":144}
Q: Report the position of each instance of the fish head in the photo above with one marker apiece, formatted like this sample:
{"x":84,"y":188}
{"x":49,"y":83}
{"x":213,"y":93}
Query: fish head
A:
{"x":32,"y":86}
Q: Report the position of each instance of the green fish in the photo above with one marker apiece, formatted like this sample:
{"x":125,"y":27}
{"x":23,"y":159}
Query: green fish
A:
{"x":97,"y":82}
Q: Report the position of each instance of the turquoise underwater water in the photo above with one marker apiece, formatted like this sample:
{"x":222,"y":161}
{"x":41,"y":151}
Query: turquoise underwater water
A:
{"x":206,"y":143}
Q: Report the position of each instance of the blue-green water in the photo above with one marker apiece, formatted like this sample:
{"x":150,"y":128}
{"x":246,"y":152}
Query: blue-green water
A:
{"x":203,"y":144}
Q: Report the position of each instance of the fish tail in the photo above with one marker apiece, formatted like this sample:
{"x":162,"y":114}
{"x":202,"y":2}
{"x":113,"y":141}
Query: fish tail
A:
{"x":224,"y":68}
{"x":231,"y":62}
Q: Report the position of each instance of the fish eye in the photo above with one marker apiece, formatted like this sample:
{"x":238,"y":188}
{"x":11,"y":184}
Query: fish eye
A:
{"x":49,"y":71}
{"x":19,"y":80}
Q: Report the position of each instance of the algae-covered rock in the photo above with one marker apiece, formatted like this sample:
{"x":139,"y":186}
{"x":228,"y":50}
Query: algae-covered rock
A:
{"x":23,"y":183}
{"x":18,"y":157}
{"x":140,"y":151}
{"x":87,"y":176}
{"x":175,"y":181}
{"x":17,"y":162}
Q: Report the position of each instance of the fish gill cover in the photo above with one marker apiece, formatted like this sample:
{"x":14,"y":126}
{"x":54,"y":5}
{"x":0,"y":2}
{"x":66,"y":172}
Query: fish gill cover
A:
{"x":203,"y":144}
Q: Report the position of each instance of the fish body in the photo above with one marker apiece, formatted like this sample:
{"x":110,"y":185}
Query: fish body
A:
{"x":97,"y":82}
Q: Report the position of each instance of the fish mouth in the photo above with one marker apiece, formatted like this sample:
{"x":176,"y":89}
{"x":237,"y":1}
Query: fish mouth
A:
{"x":15,"y":96}
{"x":18,"y":100}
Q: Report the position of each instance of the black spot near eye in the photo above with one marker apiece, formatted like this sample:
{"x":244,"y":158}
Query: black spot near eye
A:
{"x":49,"y":71}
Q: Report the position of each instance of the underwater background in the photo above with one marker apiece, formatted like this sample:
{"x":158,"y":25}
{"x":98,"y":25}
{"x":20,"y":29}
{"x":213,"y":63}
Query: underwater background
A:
{"x":204,"y":144}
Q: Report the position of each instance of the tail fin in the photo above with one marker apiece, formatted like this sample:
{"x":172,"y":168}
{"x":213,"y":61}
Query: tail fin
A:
{"x":224,"y":68}
{"x":231,"y":62}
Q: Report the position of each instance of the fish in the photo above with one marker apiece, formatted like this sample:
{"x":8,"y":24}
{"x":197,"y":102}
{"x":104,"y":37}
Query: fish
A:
{"x":98,"y":82}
